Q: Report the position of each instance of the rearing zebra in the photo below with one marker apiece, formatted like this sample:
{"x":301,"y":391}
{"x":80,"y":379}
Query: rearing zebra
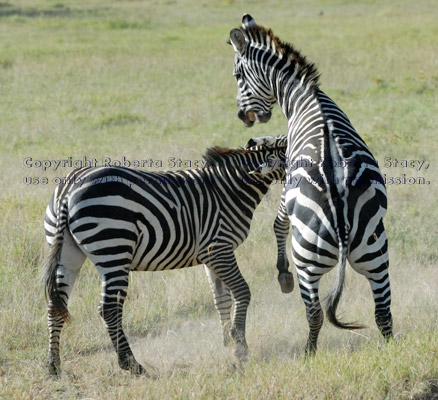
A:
{"x":124,"y":219}
{"x":334,"y":195}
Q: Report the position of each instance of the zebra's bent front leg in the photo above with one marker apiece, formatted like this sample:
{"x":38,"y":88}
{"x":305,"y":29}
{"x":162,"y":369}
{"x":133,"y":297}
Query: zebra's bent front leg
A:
{"x":114,"y":291}
{"x":223,"y":303}
{"x":309,"y":284}
{"x":223,"y":264}
{"x":281,"y":229}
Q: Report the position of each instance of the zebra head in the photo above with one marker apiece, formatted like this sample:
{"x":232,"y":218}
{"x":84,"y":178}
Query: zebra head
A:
{"x":273,"y":155}
{"x":268,"y":141}
{"x":260,"y":162}
{"x":255,"y":98}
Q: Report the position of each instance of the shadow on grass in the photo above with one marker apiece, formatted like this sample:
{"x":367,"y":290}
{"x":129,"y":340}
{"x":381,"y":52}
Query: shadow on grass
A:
{"x":432,"y":391}
{"x":96,"y":349}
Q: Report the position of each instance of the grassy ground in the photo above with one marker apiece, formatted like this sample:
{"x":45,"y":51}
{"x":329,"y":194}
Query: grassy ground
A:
{"x":152,"y":80}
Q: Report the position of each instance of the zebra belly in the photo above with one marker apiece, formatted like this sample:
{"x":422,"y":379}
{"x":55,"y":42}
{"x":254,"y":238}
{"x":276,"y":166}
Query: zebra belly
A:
{"x":148,"y":227}
{"x":168,"y":243}
{"x":166,"y":258}
{"x":142,"y":250}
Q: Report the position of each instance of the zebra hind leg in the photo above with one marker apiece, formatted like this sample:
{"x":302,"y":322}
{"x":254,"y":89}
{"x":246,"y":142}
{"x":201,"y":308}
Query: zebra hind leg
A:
{"x":314,"y":313}
{"x":223,"y":303}
{"x":115,"y":288}
{"x":315,"y":318}
{"x":382,"y":300}
{"x":383,"y":318}
{"x":68,"y":267}
{"x":375,"y":269}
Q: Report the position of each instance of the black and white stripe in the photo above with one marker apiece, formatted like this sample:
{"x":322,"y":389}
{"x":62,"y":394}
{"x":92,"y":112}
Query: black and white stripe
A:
{"x":334,"y":195}
{"x":124,"y":219}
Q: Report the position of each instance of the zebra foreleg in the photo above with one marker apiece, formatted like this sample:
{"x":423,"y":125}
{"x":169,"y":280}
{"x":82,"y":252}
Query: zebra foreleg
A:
{"x":223,"y":303}
{"x":281,"y":229}
{"x":115,"y":287}
{"x":224,"y":265}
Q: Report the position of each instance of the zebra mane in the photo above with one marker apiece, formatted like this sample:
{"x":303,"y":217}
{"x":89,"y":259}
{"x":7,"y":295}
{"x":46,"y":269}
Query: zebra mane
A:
{"x":261,"y":35}
{"x":221,"y":154}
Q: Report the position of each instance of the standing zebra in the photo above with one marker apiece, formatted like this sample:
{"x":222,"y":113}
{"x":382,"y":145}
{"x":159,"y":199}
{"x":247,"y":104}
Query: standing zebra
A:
{"x":129,"y":220}
{"x":334,"y":195}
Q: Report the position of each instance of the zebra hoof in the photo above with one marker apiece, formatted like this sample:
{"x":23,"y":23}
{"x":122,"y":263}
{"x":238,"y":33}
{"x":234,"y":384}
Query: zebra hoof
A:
{"x":309,"y":351}
{"x":241,"y":352}
{"x":227,"y":339}
{"x":130,"y":364}
{"x":286,"y":280}
{"x":53,"y":368}
{"x":138,"y":370}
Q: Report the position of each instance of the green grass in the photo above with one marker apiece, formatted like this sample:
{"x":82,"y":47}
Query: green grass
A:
{"x":153,"y":80}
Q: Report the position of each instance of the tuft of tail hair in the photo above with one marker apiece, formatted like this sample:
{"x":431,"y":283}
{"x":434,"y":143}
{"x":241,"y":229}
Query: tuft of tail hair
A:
{"x":50,"y":268}
{"x":334,"y":296}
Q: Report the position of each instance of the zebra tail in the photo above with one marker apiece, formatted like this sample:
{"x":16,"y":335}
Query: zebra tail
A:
{"x":334,"y":296}
{"x":50,"y":267}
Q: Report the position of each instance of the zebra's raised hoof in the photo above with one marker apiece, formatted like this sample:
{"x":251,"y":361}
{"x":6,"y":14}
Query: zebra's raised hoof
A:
{"x":286,"y":280}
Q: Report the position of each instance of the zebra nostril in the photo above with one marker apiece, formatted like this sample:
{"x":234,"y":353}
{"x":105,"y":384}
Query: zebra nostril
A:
{"x":241,"y":115}
{"x":244,"y":117}
{"x":251,"y":116}
{"x":263,"y":118}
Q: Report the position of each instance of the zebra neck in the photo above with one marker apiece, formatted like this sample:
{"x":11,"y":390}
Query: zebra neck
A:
{"x":241,"y":187}
{"x":306,"y":122}
{"x":292,"y":89}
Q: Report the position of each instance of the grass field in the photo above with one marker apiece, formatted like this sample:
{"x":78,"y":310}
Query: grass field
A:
{"x":153,"y":80}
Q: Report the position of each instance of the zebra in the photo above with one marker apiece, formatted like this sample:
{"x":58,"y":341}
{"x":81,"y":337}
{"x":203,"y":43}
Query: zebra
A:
{"x":126,"y":220}
{"x":334,"y":194}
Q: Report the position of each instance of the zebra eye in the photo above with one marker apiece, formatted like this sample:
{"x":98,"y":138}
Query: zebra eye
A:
{"x":271,"y":160}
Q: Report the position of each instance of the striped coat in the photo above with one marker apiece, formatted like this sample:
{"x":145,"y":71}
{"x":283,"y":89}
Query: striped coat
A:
{"x":130,"y":220}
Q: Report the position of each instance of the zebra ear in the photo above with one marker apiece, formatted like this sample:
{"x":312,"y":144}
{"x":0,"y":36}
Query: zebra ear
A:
{"x":248,"y":21}
{"x":237,"y":39}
